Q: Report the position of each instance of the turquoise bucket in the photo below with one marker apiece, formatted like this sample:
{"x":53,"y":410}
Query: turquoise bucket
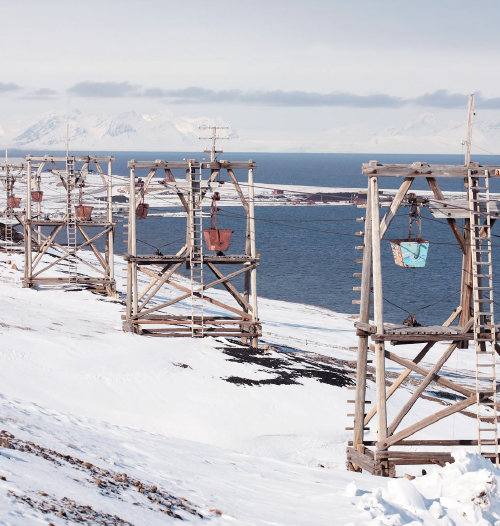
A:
{"x":409,"y":253}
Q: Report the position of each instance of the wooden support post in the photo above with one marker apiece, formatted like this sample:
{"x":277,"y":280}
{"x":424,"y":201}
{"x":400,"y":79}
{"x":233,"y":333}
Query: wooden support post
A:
{"x":364,"y":316}
{"x":253,"y":251}
{"x":466,"y":282}
{"x":110,"y":238}
{"x":28,"y":256}
{"x":378,"y":301}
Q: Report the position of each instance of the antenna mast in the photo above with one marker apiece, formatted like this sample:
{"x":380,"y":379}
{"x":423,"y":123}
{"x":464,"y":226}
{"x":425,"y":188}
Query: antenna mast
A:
{"x":213,"y":138}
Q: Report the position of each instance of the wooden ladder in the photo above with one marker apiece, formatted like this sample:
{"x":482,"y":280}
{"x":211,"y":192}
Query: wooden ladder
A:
{"x":9,"y":212}
{"x":196,"y":253}
{"x":484,"y":325}
{"x":71,"y":219}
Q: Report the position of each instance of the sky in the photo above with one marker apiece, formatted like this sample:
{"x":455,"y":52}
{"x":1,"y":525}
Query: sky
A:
{"x":275,"y":66}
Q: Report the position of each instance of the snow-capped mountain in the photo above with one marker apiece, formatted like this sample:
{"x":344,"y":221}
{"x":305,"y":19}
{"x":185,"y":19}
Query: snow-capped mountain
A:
{"x":127,"y":131}
{"x":165,"y":131}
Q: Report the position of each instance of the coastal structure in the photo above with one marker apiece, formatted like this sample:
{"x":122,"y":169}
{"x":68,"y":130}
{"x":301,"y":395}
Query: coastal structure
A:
{"x":73,"y":228}
{"x":475,"y":316}
{"x":146,"y":312}
{"x":11,"y":215}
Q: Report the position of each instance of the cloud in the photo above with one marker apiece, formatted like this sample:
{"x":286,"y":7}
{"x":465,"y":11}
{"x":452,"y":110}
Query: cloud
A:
{"x":103,"y":89}
{"x":41,"y":94}
{"x":278,"y":98}
{"x":5,"y":88}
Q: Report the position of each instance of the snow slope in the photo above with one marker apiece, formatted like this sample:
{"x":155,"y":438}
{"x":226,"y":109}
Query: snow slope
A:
{"x":108,"y":427}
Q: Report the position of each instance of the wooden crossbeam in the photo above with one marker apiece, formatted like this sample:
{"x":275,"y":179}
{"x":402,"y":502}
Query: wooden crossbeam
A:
{"x":374,"y":169}
{"x":161,"y":280}
{"x":238,"y":190}
{"x":432,"y":419}
{"x":182,"y":199}
{"x":457,"y":232}
{"x":230,"y":288}
{"x":424,"y":372}
{"x":396,"y":203}
{"x":402,"y":377}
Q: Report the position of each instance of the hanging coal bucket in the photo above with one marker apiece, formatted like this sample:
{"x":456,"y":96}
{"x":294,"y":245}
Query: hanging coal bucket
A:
{"x":14,"y":202}
{"x":411,"y":252}
{"x":141,"y":212}
{"x":83,"y":213}
{"x":36,"y":196}
{"x":216,"y":239}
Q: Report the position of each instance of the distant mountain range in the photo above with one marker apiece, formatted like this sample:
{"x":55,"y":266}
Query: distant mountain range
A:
{"x":164,"y":131}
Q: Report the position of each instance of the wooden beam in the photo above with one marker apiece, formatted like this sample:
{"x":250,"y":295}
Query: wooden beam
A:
{"x":424,"y":372}
{"x":231,"y":288}
{"x":396,"y":203}
{"x":182,"y":199}
{"x":184,"y":165}
{"x":161,"y":280}
{"x":364,"y":316}
{"x":238,"y":190}
{"x":378,"y":304}
{"x":402,"y":377}
{"x":452,"y":222}
{"x":424,"y":170}
{"x":432,"y":419}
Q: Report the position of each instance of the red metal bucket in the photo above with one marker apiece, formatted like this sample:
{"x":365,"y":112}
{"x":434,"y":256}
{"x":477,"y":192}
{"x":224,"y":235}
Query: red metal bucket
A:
{"x":14,"y":202}
{"x":217,"y":239}
{"x":36,"y":196}
{"x":141,"y":211}
{"x":83,"y":213}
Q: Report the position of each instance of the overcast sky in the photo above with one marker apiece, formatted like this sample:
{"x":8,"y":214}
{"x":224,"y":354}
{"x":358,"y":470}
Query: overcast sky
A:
{"x":261,"y":65}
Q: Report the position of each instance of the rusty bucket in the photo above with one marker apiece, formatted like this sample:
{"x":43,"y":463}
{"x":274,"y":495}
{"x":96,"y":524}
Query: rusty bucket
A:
{"x":36,"y":196}
{"x":14,"y":202}
{"x":142,"y":211}
{"x":83,"y":213}
{"x":217,"y":239}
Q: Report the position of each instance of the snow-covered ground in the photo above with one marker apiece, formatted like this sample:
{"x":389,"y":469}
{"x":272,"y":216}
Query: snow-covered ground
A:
{"x":99,"y":426}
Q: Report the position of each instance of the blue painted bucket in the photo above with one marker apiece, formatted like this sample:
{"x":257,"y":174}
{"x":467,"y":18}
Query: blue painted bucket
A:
{"x":409,"y":253}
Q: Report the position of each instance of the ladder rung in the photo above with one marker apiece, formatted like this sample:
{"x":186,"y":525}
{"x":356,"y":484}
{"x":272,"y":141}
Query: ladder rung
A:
{"x":482,"y":275}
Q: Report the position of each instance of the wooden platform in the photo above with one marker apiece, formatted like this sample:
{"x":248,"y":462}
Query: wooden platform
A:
{"x":402,"y":333}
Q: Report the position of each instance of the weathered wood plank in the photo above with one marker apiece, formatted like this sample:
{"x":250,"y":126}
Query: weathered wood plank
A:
{"x":425,"y":422}
{"x":425,"y":170}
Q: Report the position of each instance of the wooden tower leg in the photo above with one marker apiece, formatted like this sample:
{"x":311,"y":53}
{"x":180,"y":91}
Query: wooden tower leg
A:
{"x":253,"y":252}
{"x":246,"y":286}
{"x":110,"y":236}
{"x":27,"y":233}
{"x":378,"y":312}
{"x":364,"y":312}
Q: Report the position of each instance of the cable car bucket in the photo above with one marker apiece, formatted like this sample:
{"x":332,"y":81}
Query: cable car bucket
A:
{"x":411,"y":252}
{"x":82,"y":213}
{"x":216,"y":239}
{"x":142,"y":209}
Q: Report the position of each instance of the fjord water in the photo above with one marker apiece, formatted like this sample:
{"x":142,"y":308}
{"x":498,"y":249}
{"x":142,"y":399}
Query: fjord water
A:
{"x":307,"y":252}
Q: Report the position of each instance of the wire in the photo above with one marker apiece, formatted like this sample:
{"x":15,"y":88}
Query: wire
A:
{"x":425,"y":306}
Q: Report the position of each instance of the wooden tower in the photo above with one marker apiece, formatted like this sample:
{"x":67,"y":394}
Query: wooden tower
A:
{"x":41,"y":230}
{"x":11,"y":215}
{"x":476,"y":324}
{"x":145,"y":313}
